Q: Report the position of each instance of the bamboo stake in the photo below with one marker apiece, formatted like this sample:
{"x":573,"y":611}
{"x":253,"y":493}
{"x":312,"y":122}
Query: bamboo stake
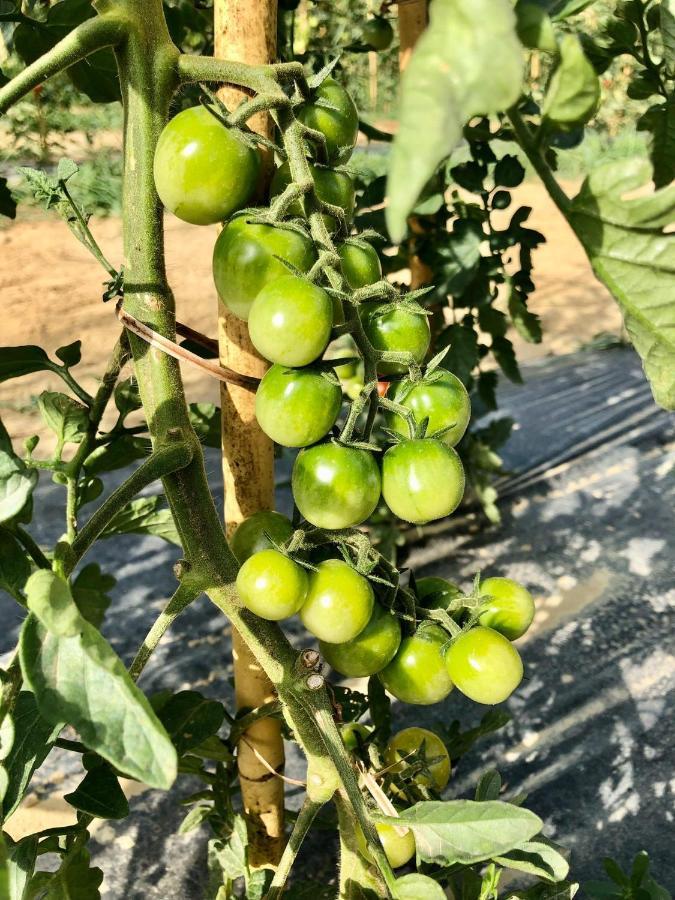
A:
{"x":246,"y":31}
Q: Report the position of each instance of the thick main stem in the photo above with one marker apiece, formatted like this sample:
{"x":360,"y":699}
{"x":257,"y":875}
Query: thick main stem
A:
{"x":246,"y":32}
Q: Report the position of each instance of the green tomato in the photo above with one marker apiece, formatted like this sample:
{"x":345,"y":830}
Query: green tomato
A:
{"x":339,"y":602}
{"x":246,"y":258}
{"x":511,"y":608}
{"x":484,"y":665}
{"x":271,"y":585}
{"x":203,"y":170}
{"x":332,"y":187}
{"x":360,"y":264}
{"x":395,"y":329}
{"x":422,"y":480}
{"x":335,"y":486}
{"x":249,"y":536}
{"x":297,"y":407}
{"x":370,"y":651}
{"x":436,"y":593}
{"x":444,"y":403}
{"x":377,"y":33}
{"x":400,"y":849}
{"x":418,"y":674}
{"x":338,"y":120}
{"x":290,"y":321}
{"x":416,"y":886}
{"x":404,"y":745}
{"x":354,"y":734}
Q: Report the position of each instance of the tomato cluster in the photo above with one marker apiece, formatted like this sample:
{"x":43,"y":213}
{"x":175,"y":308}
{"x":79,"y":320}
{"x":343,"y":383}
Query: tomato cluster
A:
{"x":298,"y":277}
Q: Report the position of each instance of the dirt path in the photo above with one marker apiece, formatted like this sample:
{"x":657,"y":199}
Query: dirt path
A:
{"x":50,"y":291}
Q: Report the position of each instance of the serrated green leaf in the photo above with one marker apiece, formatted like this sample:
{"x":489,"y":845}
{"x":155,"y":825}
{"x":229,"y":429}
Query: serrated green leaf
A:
{"x":81,"y":680}
{"x":144,"y":516}
{"x":534,"y":27}
{"x":468,"y":62}
{"x":74,"y":880}
{"x":462,"y":357}
{"x":464,"y":831}
{"x":527,"y":324}
{"x":573,"y":92}
{"x":99,"y":794}
{"x":66,"y":169}
{"x":503,"y":352}
{"x":633,"y":254}
{"x":14,"y":565}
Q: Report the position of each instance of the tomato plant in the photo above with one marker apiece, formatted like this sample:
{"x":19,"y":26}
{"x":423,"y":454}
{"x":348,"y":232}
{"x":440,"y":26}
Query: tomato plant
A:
{"x":301,"y":274}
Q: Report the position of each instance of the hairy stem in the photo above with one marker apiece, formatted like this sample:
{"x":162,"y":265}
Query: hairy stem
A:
{"x":182,"y":598}
{"x":94,"y":34}
{"x":302,"y":825}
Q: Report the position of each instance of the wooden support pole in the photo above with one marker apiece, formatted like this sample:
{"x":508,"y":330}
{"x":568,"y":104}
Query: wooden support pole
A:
{"x":412,"y":20}
{"x":246,"y":31}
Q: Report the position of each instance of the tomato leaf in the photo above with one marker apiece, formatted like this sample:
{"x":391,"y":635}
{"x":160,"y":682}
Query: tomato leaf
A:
{"x":17,"y":361}
{"x":17,"y":483}
{"x":14,"y":565}
{"x":418,"y":887}
{"x":90,"y":593}
{"x":50,"y":599}
{"x":538,"y":857}
{"x":99,"y":794}
{"x":79,"y":679}
{"x":33,"y":739}
{"x":489,"y":785}
{"x":144,"y":516}
{"x":468,"y":62}
{"x":573,"y":92}
{"x":190,"y":719}
{"x":634,"y":255}
{"x":667,"y":16}
{"x":465,"y":831}
{"x":67,"y":418}
{"x":74,"y":880}
{"x":20,"y":864}
{"x":659,"y":120}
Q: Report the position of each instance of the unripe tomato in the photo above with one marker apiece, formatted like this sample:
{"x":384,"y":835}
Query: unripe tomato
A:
{"x":416,"y":886}
{"x":436,"y":593}
{"x":444,"y":403}
{"x":338,"y":120}
{"x":249,"y":536}
{"x":418,"y":674}
{"x":403,"y":746}
{"x":353,"y":734}
{"x":422,"y":480}
{"x":297,"y":407}
{"x":377,"y":33}
{"x":400,"y":849}
{"x":360,"y":264}
{"x":484,"y":665}
{"x":335,"y":486}
{"x":511,"y":608}
{"x":203,"y":170}
{"x":339,"y":602}
{"x":370,"y":651}
{"x":271,"y":585}
{"x":393,"y":328}
{"x":332,"y":187}
{"x":244,"y":260}
{"x":290,"y":321}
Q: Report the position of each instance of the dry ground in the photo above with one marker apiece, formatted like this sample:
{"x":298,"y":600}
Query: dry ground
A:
{"x":50,"y":290}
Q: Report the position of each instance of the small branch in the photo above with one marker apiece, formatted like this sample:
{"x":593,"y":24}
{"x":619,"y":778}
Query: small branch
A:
{"x":86,"y":237}
{"x":74,"y":746}
{"x":163,"y":461}
{"x":77,"y":389}
{"x":182,"y":598}
{"x":31,"y":547}
{"x":526,"y":141}
{"x":258,"y":80}
{"x":92,"y":35}
{"x":302,"y":825}
{"x":242,"y":724}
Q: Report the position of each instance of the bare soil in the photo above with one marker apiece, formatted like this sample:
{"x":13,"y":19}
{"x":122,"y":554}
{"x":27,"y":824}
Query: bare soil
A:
{"x":50,"y":295}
